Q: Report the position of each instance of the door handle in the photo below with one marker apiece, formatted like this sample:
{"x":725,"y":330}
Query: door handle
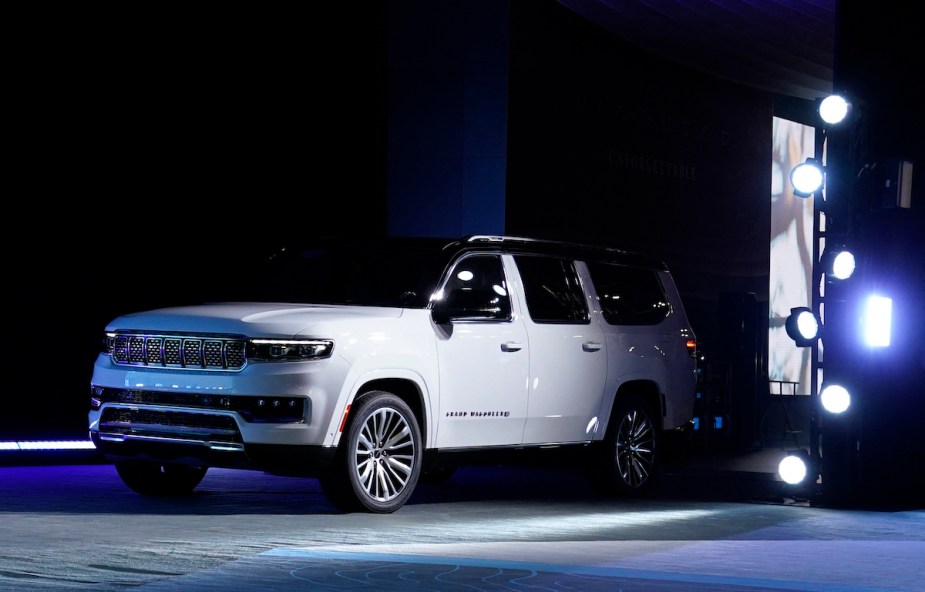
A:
{"x":591,"y":346}
{"x":511,"y":346}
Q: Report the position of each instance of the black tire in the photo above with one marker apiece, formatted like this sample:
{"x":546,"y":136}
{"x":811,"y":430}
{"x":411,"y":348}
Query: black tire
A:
{"x":627,"y":463}
{"x":378,"y":462}
{"x":155,"y":479}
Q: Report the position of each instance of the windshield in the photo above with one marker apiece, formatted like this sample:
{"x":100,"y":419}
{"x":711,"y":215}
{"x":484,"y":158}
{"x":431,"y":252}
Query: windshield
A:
{"x":395,"y":273}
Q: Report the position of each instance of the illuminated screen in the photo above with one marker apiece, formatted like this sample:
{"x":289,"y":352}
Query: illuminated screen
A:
{"x":791,"y":255}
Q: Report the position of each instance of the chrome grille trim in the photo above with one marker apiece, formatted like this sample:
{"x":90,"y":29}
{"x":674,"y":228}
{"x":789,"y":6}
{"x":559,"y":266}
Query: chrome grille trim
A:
{"x":149,"y":423}
{"x":222,"y":446}
{"x":187,"y":352}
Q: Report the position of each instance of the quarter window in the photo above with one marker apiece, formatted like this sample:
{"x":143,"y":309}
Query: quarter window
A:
{"x":629,"y":295}
{"x":552,"y":290}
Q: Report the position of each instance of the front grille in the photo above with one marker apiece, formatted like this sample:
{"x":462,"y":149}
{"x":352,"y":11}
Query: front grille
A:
{"x":178,"y":351}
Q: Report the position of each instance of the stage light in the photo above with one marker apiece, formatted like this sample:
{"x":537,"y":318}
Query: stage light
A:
{"x":794,"y":468}
{"x":835,"y":398}
{"x":807,"y":177}
{"x":802,"y":326}
{"x":47,"y":445}
{"x":834,"y":109}
{"x":838,"y":262}
{"x":878,"y":313}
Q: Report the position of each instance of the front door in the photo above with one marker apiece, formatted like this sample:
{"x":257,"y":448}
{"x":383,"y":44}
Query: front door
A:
{"x":483,"y":364}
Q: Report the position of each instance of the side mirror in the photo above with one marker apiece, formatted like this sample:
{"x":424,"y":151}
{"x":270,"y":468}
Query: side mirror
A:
{"x":471,"y":305}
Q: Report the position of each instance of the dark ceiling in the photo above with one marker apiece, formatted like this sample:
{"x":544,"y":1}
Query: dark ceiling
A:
{"x":804,"y":49}
{"x":785,"y":47}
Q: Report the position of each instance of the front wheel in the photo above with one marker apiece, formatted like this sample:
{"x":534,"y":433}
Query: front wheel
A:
{"x":627,"y":463}
{"x":155,"y":479}
{"x":378,"y":462}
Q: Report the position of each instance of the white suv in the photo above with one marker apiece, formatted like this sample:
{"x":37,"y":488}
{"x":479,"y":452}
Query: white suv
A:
{"x":377,"y":363}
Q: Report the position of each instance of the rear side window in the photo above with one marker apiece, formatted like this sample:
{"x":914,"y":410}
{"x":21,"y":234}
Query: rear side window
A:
{"x":552,"y":290}
{"x":629,"y":295}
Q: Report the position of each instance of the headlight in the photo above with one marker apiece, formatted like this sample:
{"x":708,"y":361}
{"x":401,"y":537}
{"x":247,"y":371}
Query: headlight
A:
{"x":106,"y":343}
{"x":289,"y":350}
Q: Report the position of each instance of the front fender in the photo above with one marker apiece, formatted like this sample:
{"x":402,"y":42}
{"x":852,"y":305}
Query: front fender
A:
{"x":356,"y":384}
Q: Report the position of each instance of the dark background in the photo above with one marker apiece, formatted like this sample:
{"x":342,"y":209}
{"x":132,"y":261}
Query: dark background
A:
{"x":156,"y":153}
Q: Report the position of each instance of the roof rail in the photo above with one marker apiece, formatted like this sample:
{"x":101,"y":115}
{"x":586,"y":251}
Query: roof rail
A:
{"x":493,"y":238}
{"x":548,"y":241}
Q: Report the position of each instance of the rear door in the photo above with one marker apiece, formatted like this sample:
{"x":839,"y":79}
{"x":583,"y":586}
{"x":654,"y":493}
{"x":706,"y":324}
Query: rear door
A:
{"x":568,"y":360}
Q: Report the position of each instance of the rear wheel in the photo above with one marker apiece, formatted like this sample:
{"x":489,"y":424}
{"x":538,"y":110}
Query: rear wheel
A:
{"x":378,"y":462}
{"x":151,"y":478}
{"x":627,"y":462}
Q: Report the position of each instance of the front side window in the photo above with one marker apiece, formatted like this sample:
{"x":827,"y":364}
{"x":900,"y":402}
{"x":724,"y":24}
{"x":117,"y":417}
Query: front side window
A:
{"x":552,"y":289}
{"x":629,"y":295}
{"x":476,"y":286}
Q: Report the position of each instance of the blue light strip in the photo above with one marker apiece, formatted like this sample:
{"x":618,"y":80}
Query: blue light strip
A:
{"x":49,"y":445}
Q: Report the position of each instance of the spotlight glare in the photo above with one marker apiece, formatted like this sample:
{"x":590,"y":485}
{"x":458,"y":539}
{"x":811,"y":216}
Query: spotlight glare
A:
{"x":843,"y":265}
{"x":802,"y":326}
{"x":877,"y":321}
{"x":807,"y":324}
{"x":835,"y":398}
{"x":792,"y":469}
{"x":833,"y":109}
{"x":806,"y":178}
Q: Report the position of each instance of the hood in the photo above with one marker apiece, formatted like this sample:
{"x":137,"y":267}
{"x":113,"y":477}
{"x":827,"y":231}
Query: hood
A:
{"x":247,"y":318}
